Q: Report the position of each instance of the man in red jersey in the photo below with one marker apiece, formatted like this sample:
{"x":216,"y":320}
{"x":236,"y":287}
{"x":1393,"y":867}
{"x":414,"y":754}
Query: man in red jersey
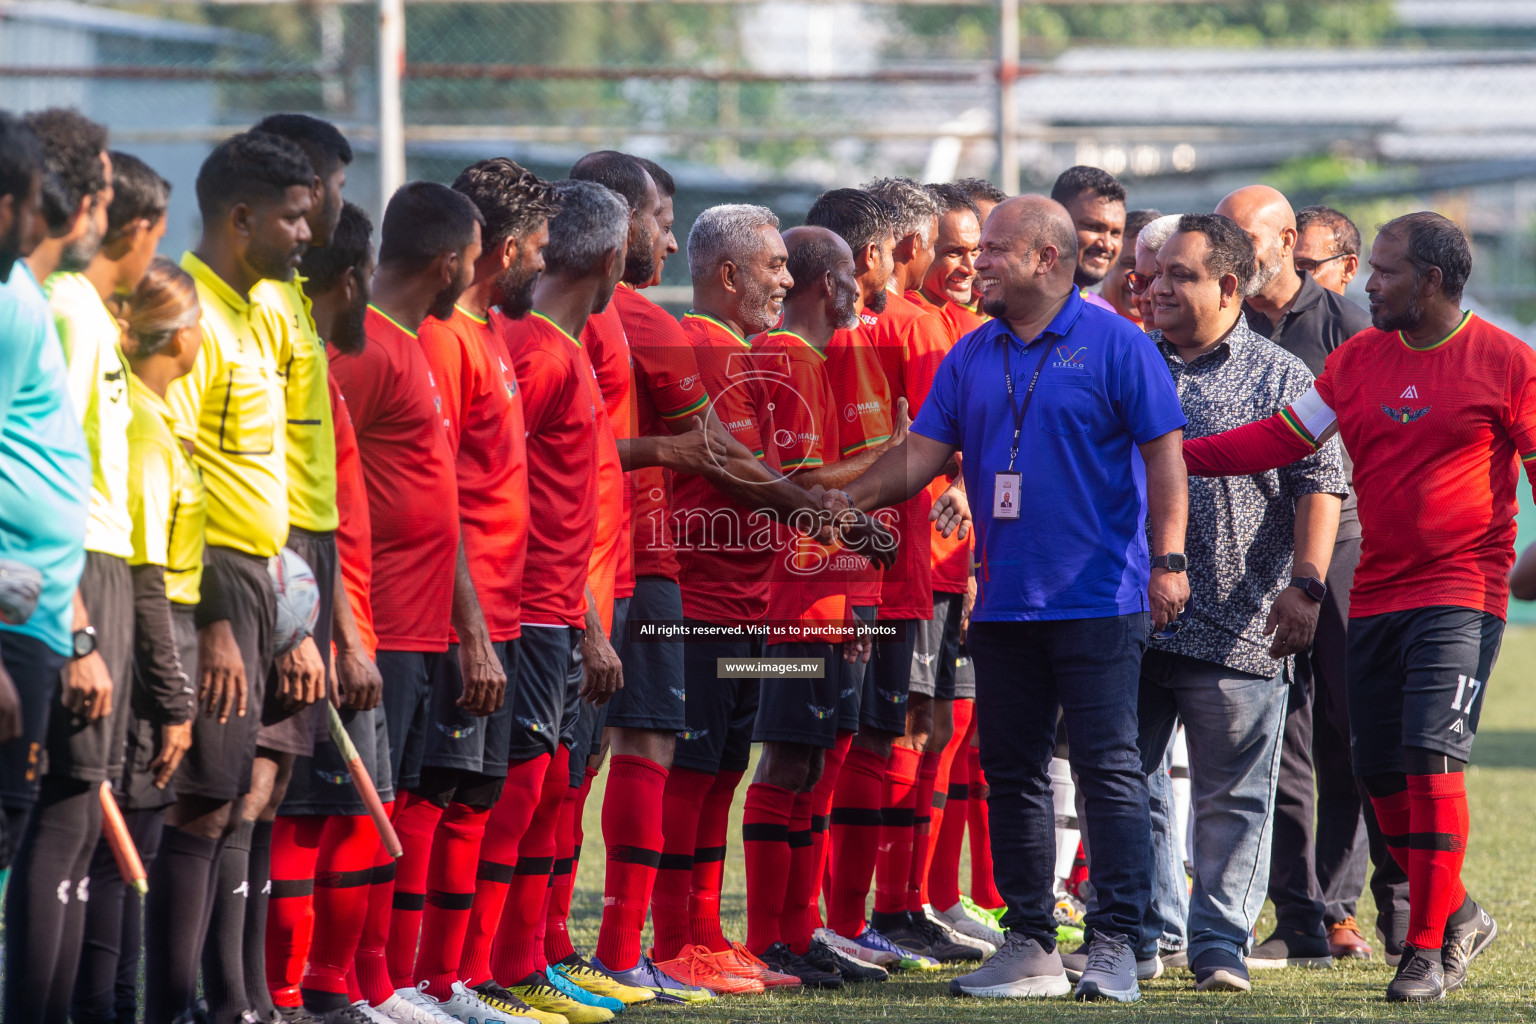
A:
{"x":911,"y":342}
{"x":483,"y":412}
{"x":422,"y":593}
{"x":1438,"y":408}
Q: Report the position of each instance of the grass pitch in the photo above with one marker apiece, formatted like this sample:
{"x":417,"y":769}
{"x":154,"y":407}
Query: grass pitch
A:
{"x":1501,"y":783}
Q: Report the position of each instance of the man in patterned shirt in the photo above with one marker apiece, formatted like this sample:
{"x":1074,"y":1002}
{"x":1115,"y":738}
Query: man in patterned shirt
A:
{"x":1258,"y":549}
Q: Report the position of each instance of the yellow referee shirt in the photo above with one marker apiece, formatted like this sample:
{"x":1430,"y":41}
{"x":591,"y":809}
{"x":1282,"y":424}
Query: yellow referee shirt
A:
{"x":311,"y":435}
{"x":165,"y":497}
{"x":98,"y":387}
{"x":231,"y":408}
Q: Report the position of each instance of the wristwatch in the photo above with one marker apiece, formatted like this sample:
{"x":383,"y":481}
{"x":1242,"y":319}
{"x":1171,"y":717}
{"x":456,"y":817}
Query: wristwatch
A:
{"x":1314,"y":588}
{"x":84,"y":642}
{"x":1173,"y":561}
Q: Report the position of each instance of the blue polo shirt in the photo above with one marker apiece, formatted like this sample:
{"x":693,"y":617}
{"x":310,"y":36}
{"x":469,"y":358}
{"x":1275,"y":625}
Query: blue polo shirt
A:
{"x":1078,"y":549}
{"x":45,"y":469}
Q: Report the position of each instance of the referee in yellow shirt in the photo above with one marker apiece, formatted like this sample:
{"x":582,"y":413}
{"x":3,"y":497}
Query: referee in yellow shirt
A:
{"x":254,"y":193}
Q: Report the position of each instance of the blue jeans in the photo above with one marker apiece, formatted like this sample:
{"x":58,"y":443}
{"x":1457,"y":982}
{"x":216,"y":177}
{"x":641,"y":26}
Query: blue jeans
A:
{"x":1233,"y":723}
{"x":1169,"y":907}
{"x":1090,"y":668}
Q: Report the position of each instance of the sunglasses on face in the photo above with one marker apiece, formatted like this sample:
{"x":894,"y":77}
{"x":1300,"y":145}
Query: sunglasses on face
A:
{"x":1138,"y":283}
{"x":1310,"y":266}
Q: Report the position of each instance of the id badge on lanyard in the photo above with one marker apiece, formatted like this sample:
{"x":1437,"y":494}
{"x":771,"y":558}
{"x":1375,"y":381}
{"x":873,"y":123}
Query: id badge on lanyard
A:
{"x":1006,"y":485}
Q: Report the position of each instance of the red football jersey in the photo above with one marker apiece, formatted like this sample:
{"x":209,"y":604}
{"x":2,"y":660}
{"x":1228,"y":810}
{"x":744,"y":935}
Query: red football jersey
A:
{"x":668,"y":392}
{"x":353,"y":537}
{"x":413,"y":501}
{"x":725,"y":548}
{"x":866,"y":415}
{"x":809,"y":586}
{"x":607,"y":347}
{"x":1438,"y":437}
{"x":560,"y":412}
{"x":911,"y":343}
{"x":484,"y":414}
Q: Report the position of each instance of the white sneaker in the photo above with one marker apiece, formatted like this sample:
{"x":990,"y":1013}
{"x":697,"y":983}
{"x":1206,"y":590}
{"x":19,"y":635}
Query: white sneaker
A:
{"x":960,"y":919}
{"x":426,"y":1010}
{"x":470,"y":1008}
{"x":370,"y":1014}
{"x":848,"y":947}
{"x":955,"y":935}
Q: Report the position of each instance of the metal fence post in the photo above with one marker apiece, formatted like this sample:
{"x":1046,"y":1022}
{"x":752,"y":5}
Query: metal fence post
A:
{"x":1007,"y":96}
{"x":391,"y":111}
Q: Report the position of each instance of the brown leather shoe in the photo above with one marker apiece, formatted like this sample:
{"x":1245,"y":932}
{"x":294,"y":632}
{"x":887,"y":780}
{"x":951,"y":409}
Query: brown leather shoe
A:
{"x":1345,"y":941}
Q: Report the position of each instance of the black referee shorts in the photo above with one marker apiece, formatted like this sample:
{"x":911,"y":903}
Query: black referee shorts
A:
{"x":292,"y":730}
{"x":93,"y":751}
{"x":136,"y":787}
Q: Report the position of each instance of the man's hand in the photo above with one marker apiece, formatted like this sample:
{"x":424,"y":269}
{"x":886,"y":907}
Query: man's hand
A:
{"x":10,"y":708}
{"x":221,"y":671}
{"x":866,"y":535}
{"x":1293,"y":621}
{"x":361,"y":687}
{"x":698,"y":450}
{"x":301,"y":675}
{"x":898,"y":428}
{"x":603,"y":672}
{"x":175,"y":741}
{"x":967,"y":606}
{"x":88,"y":687}
{"x":951,"y":513}
{"x":485,"y":681}
{"x":1167,"y":594}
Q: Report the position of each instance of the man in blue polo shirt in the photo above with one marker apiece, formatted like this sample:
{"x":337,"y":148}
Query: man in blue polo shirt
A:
{"x":1069,"y":430}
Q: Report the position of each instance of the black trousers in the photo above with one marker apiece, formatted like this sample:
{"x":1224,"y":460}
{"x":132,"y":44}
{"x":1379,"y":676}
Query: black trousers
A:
{"x":1316,"y":877}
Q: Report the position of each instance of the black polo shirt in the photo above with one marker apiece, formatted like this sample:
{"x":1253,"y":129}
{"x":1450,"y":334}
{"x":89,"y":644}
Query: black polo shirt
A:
{"x":1318,"y":322}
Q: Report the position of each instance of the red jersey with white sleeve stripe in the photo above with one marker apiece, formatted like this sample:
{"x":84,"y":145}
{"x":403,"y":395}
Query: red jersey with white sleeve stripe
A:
{"x":484,"y":415}
{"x":725,"y":548}
{"x":1438,"y":436}
{"x":561,"y":406}
{"x":668,"y":391}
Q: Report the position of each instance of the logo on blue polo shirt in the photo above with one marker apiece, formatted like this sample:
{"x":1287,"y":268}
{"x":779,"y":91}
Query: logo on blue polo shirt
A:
{"x":1069,"y":357}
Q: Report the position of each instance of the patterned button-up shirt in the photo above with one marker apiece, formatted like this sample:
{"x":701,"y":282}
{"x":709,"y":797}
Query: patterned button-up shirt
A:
{"x":1241,"y":529}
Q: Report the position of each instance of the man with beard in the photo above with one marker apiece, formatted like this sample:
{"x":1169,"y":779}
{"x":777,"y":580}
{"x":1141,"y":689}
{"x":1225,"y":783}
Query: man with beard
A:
{"x":483,"y":412}
{"x":1096,"y":202}
{"x":45,"y":498}
{"x":1435,"y":405}
{"x":1327,"y":247}
{"x":1117,"y":283}
{"x":1314,"y":884}
{"x":254,"y":193}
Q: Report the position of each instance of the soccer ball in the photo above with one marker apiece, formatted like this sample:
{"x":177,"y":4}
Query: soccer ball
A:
{"x":298,"y":600}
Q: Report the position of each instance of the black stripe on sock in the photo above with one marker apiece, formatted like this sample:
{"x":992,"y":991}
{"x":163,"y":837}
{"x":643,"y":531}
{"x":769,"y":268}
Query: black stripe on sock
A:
{"x":898,"y":817}
{"x":410,"y":900}
{"x":534,"y":866}
{"x":800,"y":839}
{"x":382,"y":873}
{"x":1444,"y":842}
{"x":345,"y":879}
{"x":292,"y":888}
{"x":1398,"y":841}
{"x":576,"y":853}
{"x":634,"y":855}
{"x":490,"y":871}
{"x":960,"y":791}
{"x":819,"y":822}
{"x":708,"y":854}
{"x":451,"y":900}
{"x":868,"y":817}
{"x":563,"y":866}
{"x":939,"y":800}
{"x":763,"y":832}
{"x":921,"y":820}
{"x":675,"y":862}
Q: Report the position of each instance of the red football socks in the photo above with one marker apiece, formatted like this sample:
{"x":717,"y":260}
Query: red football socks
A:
{"x":855,"y":839}
{"x":922,"y":829}
{"x":821,"y":817}
{"x":983,"y":888}
{"x":682,"y":804}
{"x":1394,"y":817}
{"x":941,"y":886}
{"x":344,"y":872}
{"x":562,"y":879}
{"x":709,"y":864}
{"x":498,"y":859}
{"x":371,"y":965}
{"x":632,"y":836}
{"x":291,"y":911}
{"x":765,"y":842}
{"x":897,"y":812}
{"x":1437,"y":844}
{"x":799,"y":922}
{"x":518,"y":949}
{"x":415,"y":820}
{"x":450,"y":895}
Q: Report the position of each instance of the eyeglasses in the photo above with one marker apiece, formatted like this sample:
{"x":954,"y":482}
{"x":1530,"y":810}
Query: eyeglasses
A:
{"x":1137,"y":283}
{"x":1310,"y":266}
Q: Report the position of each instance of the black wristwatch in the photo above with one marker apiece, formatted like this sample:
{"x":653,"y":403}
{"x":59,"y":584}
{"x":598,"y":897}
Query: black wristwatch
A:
{"x":1173,"y":561}
{"x":1314,"y":588}
{"x":84,"y":642}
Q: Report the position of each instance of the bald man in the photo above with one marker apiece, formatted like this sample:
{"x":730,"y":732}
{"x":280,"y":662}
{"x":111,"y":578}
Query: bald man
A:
{"x":1068,"y":393}
{"x":1316,"y":882}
